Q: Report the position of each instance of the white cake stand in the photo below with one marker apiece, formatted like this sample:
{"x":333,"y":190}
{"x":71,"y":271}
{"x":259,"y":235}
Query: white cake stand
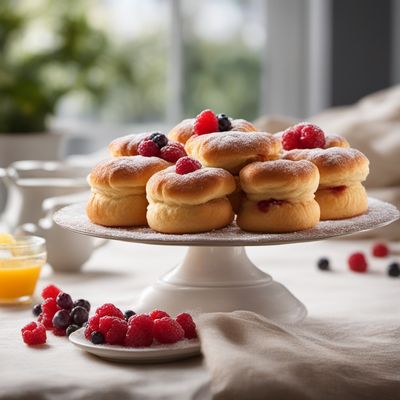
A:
{"x":216,"y":274}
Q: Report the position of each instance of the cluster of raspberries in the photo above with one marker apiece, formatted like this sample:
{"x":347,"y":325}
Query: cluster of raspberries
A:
{"x":109,"y":325}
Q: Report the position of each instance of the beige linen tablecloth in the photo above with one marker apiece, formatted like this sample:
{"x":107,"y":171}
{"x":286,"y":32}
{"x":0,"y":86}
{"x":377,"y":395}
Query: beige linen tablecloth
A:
{"x":338,"y":301}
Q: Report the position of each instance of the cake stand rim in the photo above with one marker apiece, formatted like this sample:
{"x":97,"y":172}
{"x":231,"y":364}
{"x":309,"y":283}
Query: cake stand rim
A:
{"x":217,"y":238}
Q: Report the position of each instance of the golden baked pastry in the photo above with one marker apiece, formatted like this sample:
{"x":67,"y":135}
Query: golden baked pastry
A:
{"x":189,"y":203}
{"x":279,"y":196}
{"x":340,"y":193}
{"x":127,"y":145}
{"x":233,"y":150}
{"x":119,"y":190}
{"x":184,"y":130}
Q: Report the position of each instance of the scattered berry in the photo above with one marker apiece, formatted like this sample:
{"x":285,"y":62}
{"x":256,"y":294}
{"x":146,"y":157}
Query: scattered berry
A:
{"x":93,"y":325}
{"x":172,"y":152}
{"x":157,"y":314}
{"x":357,"y":262}
{"x":117,"y":331}
{"x":50,"y":291}
{"x":128,"y":314}
{"x":50,"y":307}
{"x":159,"y":139}
{"x":394,"y":270}
{"x":110,"y":310}
{"x":105,"y":324}
{"x":185,"y":320}
{"x":206,"y":122}
{"x":380,"y":250}
{"x":167,"y":330}
{"x":79,"y":315}
{"x":36,"y":310}
{"x":224,"y":123}
{"x":148,"y":148}
{"x":303,"y":136}
{"x":185,"y":165}
{"x":61,"y":319}
{"x":64,"y":301}
{"x":264,"y":205}
{"x":323,"y":264}
{"x":34,"y":334}
{"x":71,"y":329}
{"x":59,"y":332}
{"x":140,"y":331}
{"x":82,"y":303}
{"x":97,"y":338}
{"x":46,"y":321}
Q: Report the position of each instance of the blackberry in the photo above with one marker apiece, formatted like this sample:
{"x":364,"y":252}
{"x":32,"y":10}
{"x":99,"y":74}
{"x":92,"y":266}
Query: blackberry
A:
{"x":323,"y":264}
{"x":82,"y":303}
{"x":128,"y":314}
{"x":97,"y":337}
{"x":394,"y":270}
{"x":71,"y":328}
{"x":224,"y":123}
{"x":36,"y":310}
{"x":159,"y":139}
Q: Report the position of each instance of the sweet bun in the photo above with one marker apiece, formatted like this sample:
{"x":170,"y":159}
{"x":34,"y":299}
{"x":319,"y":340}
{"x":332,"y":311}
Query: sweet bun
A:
{"x":184,"y":130}
{"x":336,"y":141}
{"x":340,"y":193}
{"x":233,"y":150}
{"x":279,"y":196}
{"x":189,"y":203}
{"x":127,"y":145}
{"x":119,"y":190}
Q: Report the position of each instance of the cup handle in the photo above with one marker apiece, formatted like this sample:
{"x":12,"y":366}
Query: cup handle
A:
{"x":28,"y":228}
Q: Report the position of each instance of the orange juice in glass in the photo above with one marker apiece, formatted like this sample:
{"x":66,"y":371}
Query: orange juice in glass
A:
{"x":21,"y":260}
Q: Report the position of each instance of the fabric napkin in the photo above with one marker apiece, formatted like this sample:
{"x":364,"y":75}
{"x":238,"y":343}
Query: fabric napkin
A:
{"x":250,"y":357}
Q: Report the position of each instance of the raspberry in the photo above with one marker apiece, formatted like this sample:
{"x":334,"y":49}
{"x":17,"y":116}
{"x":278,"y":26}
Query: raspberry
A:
{"x":46,"y":321}
{"x":49,"y":308}
{"x":380,"y":250}
{"x":105,"y":324}
{"x":167,"y":330}
{"x":59,"y":332}
{"x":92,"y":326}
{"x":157,"y":314}
{"x":303,"y":136}
{"x":357,"y":262}
{"x":109,"y":310}
{"x":185,"y":320}
{"x":50,"y":291}
{"x":33,"y":334}
{"x":148,"y":148}
{"x":140,"y":331}
{"x":116,"y":333}
{"x":172,"y":152}
{"x":185,"y":165}
{"x":206,"y":122}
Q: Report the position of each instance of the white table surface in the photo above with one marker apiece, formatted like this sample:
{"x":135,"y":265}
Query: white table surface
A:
{"x":117,"y":273}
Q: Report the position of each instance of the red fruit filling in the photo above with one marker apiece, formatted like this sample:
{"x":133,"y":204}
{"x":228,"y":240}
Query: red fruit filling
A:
{"x":206,"y":122}
{"x":140,"y":331}
{"x":172,"y":152}
{"x":148,"y":148}
{"x":167,"y":330}
{"x":185,"y":320}
{"x":34,"y":334}
{"x":357,"y":262}
{"x":50,"y":291}
{"x":338,"y":189}
{"x":264,"y":205}
{"x":303,"y":136}
{"x":380,"y":250}
{"x":185,"y":165}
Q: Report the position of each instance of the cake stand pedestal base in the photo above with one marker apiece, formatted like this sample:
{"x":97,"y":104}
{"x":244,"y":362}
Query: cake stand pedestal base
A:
{"x":212,"y":279}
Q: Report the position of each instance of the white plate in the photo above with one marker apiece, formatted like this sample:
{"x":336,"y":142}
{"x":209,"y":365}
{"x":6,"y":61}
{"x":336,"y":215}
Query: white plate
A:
{"x":153,"y":354}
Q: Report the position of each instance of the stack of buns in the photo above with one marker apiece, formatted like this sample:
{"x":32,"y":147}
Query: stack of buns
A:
{"x":270,"y":186}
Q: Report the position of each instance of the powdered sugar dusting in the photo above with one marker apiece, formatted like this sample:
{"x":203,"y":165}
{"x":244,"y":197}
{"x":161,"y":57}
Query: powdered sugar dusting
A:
{"x":379,"y":214}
